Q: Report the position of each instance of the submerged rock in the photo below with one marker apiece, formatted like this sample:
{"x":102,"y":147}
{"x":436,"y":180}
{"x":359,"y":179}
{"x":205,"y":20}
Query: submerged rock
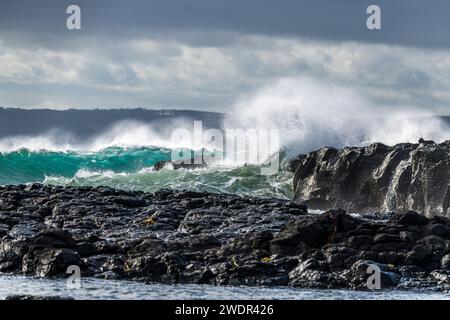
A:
{"x":376,"y":178}
{"x":194,"y":237}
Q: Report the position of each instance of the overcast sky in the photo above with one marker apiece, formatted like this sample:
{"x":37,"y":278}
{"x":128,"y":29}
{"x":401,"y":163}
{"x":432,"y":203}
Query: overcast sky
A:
{"x":207,"y":54}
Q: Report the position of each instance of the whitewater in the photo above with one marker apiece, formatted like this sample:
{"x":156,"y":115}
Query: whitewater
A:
{"x":307,"y":114}
{"x":132,"y":169}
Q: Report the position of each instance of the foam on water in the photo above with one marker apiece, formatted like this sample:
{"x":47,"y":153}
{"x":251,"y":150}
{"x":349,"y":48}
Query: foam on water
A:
{"x":308,"y":115}
{"x":132,"y":169}
{"x":240,"y":180}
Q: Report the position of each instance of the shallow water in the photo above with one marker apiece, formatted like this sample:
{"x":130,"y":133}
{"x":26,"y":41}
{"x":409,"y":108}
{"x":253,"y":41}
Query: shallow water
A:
{"x":93,"y":289}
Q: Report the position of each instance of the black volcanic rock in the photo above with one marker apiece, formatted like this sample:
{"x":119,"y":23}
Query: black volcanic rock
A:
{"x":376,"y":178}
{"x":192,"y":162}
{"x":222,"y":239}
{"x":198,"y":163}
{"x":53,"y":238}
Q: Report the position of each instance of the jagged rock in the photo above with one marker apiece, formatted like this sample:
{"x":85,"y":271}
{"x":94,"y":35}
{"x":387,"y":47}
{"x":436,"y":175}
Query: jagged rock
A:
{"x":49,"y":262}
{"x":445,"y":262}
{"x":53,"y":238}
{"x":194,"y":162}
{"x":310,"y":232}
{"x":194,"y":237}
{"x":359,"y":274}
{"x":410,"y":218}
{"x":376,"y":178}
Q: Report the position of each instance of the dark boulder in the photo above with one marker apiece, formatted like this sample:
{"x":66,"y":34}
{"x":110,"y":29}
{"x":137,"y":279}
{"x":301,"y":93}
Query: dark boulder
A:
{"x":49,"y":262}
{"x":376,"y":178}
{"x":53,"y":238}
{"x":410,"y":218}
{"x":359,"y":276}
{"x":310,"y":232}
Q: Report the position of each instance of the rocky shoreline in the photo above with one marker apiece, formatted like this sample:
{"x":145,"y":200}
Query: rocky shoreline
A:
{"x":219,"y":239}
{"x":407,"y":176}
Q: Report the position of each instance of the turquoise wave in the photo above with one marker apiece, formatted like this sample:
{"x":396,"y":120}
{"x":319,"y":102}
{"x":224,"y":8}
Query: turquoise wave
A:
{"x":27,"y":166}
{"x":131,"y":168}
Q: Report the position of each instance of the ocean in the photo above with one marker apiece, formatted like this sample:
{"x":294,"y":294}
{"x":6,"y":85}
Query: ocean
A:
{"x":132,"y":169}
{"x":123,"y":154}
{"x":99,"y":289}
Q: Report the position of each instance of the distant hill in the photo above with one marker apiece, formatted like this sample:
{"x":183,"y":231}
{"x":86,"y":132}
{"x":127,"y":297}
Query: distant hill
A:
{"x":87,"y":123}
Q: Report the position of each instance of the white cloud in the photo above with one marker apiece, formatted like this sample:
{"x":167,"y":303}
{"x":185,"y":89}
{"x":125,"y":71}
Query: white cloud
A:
{"x":159,"y":72}
{"x":29,"y":66}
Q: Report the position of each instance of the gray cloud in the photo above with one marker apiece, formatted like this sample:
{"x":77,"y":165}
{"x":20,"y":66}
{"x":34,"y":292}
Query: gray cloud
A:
{"x":405,"y":22}
{"x":206,"y":54}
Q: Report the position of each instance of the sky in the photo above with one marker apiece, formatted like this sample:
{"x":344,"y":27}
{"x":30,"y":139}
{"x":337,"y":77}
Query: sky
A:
{"x":209,"y":54}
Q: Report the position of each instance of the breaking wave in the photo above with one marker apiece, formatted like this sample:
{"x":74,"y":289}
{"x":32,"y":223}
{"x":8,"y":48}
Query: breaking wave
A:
{"x":312,"y":114}
{"x":132,"y":169}
{"x":307,"y":114}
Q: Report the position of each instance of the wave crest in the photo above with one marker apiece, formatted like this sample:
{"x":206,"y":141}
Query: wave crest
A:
{"x":310,"y":115}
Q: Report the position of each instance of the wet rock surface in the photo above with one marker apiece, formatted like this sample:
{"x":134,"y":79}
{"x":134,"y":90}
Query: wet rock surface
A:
{"x":191,"y":163}
{"x":376,"y":178}
{"x":190,"y":237}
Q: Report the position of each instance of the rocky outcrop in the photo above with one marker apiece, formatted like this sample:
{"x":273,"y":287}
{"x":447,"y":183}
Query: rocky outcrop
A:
{"x":190,"y":237}
{"x":197,"y":162}
{"x":376,"y":178}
